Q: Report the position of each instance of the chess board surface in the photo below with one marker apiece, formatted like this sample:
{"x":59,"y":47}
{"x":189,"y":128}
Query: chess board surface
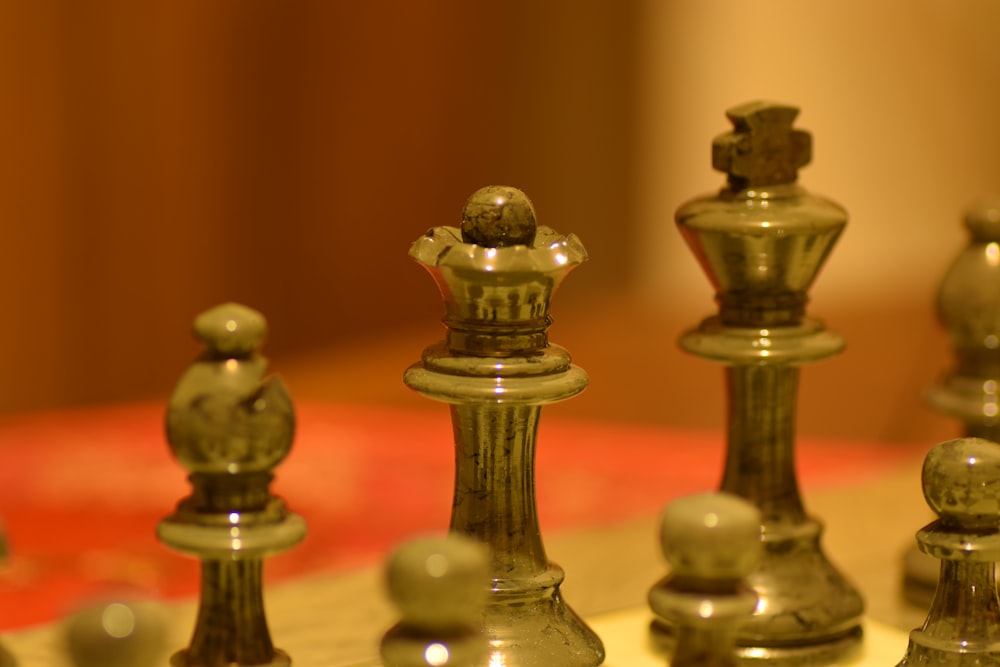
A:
{"x":325,"y":602}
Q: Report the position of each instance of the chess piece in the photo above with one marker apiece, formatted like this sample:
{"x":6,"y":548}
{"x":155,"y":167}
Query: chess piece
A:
{"x":230,"y":426}
{"x":439,"y":587}
{"x":968,"y":306}
{"x":116,"y":634}
{"x":496,"y":368}
{"x":762,"y":240}
{"x":961,"y":483}
{"x":711,"y":542}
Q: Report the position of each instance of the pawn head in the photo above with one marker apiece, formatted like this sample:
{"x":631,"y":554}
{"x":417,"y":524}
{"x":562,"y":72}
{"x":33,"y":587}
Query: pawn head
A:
{"x":711,"y":536}
{"x":439,"y":583}
{"x":116,"y":633}
{"x":961,"y":482}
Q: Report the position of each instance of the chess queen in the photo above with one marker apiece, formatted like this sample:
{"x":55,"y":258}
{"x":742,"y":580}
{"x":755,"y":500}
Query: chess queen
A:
{"x":496,"y":369}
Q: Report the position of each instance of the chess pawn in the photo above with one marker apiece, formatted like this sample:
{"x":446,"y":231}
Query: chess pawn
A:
{"x":711,"y":542}
{"x":116,"y":634}
{"x":229,"y":425}
{"x":762,"y":240}
{"x":961,"y":483}
{"x":439,"y":587}
{"x":496,"y":368}
{"x":968,"y":307}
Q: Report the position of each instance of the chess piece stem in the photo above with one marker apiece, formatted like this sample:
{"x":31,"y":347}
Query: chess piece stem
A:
{"x":761,"y":461}
{"x":487,"y":504}
{"x":496,"y":368}
{"x":230,"y":426}
{"x":762,"y":240}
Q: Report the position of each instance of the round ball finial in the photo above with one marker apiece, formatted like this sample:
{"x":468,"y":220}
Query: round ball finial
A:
{"x":961,"y":482}
{"x":439,"y":583}
{"x":712,"y":536}
{"x":230,"y":329}
{"x":983,"y":220}
{"x":498,"y":216}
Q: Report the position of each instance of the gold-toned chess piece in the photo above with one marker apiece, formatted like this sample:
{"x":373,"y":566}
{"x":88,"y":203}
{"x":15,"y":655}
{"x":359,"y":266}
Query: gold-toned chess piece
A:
{"x":961,"y":483}
{"x":439,"y":586}
{"x":712,"y":542}
{"x":496,"y":368}
{"x":762,"y":240}
{"x":229,"y":425}
{"x":968,"y":307}
{"x":116,"y":633}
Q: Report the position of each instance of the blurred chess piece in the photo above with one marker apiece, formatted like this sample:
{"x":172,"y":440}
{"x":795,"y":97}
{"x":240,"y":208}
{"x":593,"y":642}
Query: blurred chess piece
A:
{"x":229,"y":425}
{"x":762,"y":240}
{"x":968,"y":306}
{"x":116,"y":634}
{"x":497,"y":275}
{"x":439,"y":587}
{"x":961,"y":483}
{"x":712,"y":542}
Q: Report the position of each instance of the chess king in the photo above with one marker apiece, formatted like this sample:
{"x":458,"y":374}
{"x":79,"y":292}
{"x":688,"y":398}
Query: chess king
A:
{"x":496,"y":369}
{"x":762,"y":240}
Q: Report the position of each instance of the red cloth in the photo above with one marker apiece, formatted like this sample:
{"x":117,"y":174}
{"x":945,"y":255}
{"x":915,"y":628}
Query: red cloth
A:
{"x":81,"y":491}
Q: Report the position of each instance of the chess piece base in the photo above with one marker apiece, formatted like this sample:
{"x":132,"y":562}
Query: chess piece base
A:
{"x":183,"y":658}
{"x":834,"y":649}
{"x":539,"y":632}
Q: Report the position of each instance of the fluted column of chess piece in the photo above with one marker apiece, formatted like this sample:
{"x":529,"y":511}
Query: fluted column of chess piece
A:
{"x":961,"y":483}
{"x":230,"y":425}
{"x":496,"y":368}
{"x":439,"y":586}
{"x":711,"y":542}
{"x":762,"y":240}
{"x":968,"y":307}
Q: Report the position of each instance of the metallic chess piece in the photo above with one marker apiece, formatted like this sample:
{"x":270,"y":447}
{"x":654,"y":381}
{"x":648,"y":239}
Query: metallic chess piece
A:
{"x":229,"y":425}
{"x":439,"y":586}
{"x":116,"y":633}
{"x":496,"y":368}
{"x":963,"y":625}
{"x":762,"y":240}
{"x":712,"y":542}
{"x":968,"y":307}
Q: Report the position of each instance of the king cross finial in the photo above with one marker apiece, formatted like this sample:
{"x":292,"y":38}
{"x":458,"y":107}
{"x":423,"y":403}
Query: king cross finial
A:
{"x":763,"y":149}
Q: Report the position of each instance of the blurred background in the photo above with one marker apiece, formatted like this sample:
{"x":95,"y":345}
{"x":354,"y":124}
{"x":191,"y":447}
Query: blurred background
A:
{"x":158,"y":158}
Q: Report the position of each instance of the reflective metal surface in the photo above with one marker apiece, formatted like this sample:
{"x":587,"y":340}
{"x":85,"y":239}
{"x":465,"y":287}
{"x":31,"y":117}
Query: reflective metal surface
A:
{"x":761,"y":241}
{"x":229,"y":425}
{"x":496,"y":368}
